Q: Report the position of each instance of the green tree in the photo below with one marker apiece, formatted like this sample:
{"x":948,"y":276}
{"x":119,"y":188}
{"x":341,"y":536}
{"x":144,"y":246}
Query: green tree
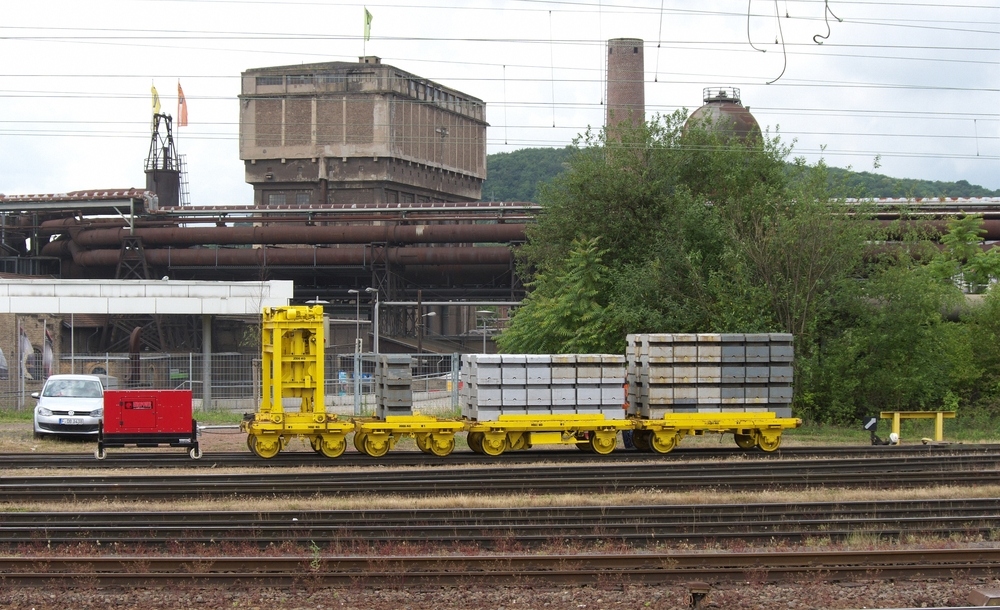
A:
{"x":565,"y":312}
{"x":699,"y":233}
{"x":963,"y":260}
{"x":893,"y":349}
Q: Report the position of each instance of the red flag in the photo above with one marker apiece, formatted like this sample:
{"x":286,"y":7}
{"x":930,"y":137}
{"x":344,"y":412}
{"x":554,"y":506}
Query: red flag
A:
{"x":182,"y":107}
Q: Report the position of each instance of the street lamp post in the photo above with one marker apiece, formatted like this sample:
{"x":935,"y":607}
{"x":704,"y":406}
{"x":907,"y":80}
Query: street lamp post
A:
{"x":420,"y":330}
{"x":357,"y":350}
{"x":374,"y":291}
{"x":483,"y":313}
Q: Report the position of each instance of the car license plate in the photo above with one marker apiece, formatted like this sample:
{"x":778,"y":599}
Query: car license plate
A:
{"x":71,"y":421}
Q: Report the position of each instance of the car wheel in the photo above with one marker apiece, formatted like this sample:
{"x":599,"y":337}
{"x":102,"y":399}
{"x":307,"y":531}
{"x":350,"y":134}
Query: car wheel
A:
{"x":37,"y":434}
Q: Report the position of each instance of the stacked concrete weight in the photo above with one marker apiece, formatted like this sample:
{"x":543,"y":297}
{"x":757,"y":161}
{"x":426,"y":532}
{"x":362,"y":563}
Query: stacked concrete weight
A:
{"x":709,"y":373}
{"x":541,"y":384}
{"x":393,"y":385}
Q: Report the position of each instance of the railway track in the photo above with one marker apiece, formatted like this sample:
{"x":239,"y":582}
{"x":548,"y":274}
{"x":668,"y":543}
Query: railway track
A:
{"x":142,"y":459}
{"x":490,"y":528}
{"x":883,"y":472}
{"x":501,"y":569}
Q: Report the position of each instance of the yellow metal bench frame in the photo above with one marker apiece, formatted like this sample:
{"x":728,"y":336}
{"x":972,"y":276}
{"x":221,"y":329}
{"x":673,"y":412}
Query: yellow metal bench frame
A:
{"x":937,"y":416}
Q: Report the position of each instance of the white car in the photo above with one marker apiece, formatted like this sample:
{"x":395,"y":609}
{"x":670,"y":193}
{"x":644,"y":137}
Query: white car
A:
{"x":69,"y":405}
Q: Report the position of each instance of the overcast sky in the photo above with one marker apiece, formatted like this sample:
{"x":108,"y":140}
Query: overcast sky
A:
{"x":914,"y":84}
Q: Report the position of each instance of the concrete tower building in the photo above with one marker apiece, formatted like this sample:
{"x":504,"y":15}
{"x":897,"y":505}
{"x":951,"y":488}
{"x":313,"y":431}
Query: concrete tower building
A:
{"x":626,"y":88}
{"x":366,"y":132}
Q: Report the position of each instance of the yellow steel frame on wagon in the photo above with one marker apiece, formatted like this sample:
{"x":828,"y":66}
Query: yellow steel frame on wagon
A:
{"x":760,"y":429}
{"x":517,"y":432}
{"x":292,"y":365}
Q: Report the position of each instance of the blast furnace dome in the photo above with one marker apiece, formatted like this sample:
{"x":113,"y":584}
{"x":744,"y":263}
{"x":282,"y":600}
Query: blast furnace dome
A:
{"x":724,"y":113}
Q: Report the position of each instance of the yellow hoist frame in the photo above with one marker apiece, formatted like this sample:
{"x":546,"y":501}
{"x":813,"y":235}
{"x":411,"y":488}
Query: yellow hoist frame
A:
{"x":292,"y":366}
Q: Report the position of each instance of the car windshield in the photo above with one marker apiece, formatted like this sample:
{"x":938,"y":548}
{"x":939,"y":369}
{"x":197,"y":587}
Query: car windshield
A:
{"x":73,"y":388}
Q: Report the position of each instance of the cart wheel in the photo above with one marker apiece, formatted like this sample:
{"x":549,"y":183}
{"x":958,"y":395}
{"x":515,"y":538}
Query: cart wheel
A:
{"x":100,"y":453}
{"x":441,"y":446}
{"x":475,"y":440}
{"x":266,"y":448}
{"x":359,"y":441}
{"x":768,"y":443}
{"x":603,"y":443}
{"x":745,"y":441}
{"x":663,"y":443}
{"x":332,"y":446}
{"x":494,"y":445}
{"x":376,"y":446}
{"x":195,"y":453}
{"x":424,"y":443}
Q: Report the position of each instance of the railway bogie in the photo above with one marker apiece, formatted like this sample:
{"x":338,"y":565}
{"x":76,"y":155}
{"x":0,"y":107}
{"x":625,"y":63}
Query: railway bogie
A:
{"x":761,"y":430}
{"x":519,"y":432}
{"x":376,"y":437}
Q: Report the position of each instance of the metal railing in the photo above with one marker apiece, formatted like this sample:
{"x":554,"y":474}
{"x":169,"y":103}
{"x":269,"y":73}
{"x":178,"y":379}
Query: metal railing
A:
{"x":236,"y":379}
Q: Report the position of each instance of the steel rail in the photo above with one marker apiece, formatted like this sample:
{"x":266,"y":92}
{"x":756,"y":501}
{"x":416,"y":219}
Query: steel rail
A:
{"x":530,"y":526}
{"x":901,"y":472}
{"x":141,"y":459}
{"x":647,"y":568}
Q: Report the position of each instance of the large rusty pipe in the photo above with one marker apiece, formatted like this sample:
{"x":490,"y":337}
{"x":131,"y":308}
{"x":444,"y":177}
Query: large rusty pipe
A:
{"x":352,"y":234}
{"x":936,"y":227}
{"x":307,"y":256}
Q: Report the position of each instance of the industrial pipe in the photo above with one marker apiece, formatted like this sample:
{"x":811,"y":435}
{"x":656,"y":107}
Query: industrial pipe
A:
{"x":351,"y":234}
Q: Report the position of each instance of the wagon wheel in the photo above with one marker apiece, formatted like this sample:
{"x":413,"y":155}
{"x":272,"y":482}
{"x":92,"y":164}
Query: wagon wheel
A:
{"x":745,"y":441}
{"x":424,"y":442}
{"x":266,"y":449}
{"x":195,"y":453}
{"x":251,"y":445}
{"x":603,"y":443}
{"x":359,"y":441}
{"x":376,"y":446}
{"x":440,"y":446}
{"x":332,"y":446}
{"x":475,"y":440}
{"x":494,"y":444}
{"x":663,"y":443}
{"x":768,"y":443}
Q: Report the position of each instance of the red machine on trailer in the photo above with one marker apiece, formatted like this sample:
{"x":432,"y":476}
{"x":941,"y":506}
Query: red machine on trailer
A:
{"x":148,"y":418}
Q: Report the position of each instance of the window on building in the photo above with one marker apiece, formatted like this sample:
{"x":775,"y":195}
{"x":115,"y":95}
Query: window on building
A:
{"x":270,"y":80}
{"x":302,"y":198}
{"x":331,"y":78}
{"x":275,"y":199}
{"x":300,"y":79}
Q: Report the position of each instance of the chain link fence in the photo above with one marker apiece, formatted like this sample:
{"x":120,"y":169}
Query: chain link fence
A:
{"x":236,"y":379}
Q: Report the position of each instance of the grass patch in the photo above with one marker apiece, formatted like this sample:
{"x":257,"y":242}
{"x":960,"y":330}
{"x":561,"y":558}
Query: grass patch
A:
{"x":827,"y":434}
{"x":14,"y":416}
{"x":217,"y":417}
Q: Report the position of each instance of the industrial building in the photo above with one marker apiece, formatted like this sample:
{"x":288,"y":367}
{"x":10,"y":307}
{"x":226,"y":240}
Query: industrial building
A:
{"x":366,"y":132}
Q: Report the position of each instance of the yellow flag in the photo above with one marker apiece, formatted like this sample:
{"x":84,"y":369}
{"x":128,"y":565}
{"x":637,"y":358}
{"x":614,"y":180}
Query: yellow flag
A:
{"x":156,"y":100}
{"x":368,"y":24}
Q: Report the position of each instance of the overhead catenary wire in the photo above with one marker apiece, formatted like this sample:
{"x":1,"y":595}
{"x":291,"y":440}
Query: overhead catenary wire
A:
{"x":521,"y":81}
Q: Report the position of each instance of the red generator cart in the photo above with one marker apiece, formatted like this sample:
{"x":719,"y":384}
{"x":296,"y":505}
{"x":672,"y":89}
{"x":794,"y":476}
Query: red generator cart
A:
{"x":148,"y":418}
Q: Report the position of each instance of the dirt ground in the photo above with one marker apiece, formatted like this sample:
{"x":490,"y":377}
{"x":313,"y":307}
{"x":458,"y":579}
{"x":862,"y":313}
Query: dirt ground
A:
{"x":749,"y":595}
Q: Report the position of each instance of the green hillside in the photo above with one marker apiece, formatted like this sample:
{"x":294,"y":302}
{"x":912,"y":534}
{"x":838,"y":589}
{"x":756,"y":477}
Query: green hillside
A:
{"x":515,"y":176}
